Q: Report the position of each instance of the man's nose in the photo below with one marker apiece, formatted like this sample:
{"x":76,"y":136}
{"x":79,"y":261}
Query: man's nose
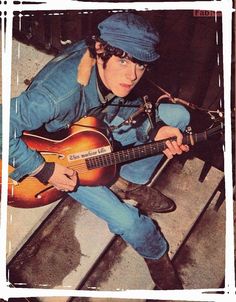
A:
{"x":132,"y":73}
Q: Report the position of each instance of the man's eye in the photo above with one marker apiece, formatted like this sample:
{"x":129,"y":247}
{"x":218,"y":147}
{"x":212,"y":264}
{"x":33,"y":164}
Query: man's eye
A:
{"x":123,"y":61}
{"x":141,"y":66}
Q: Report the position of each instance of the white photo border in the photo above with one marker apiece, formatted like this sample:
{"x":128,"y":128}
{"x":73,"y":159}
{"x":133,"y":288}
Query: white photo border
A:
{"x":225,"y":7}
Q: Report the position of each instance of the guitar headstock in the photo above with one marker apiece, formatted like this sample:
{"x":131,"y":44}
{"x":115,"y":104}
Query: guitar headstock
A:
{"x":216,"y":129}
{"x":217,"y":124}
{"x":211,"y":125}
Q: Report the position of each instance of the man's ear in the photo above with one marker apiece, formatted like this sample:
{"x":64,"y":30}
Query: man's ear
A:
{"x":99,"y":47}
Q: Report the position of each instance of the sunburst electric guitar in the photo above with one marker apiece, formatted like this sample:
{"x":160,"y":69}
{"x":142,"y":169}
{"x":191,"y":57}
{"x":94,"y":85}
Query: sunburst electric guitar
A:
{"x":86,"y":150}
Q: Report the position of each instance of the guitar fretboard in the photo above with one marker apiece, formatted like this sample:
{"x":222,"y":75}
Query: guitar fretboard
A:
{"x":139,"y":152}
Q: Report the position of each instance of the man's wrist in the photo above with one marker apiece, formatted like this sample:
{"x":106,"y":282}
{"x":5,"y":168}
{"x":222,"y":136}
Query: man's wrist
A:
{"x":44,"y":174}
{"x":154,"y":131}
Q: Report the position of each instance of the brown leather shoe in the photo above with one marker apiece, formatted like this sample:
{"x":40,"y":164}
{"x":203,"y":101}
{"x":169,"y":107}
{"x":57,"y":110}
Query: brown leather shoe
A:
{"x":149,"y":200}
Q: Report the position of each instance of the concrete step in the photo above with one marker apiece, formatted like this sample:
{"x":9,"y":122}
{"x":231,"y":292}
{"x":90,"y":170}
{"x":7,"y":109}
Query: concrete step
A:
{"x":63,"y":249}
{"x":21,"y":225}
{"x":72,"y":240}
{"x":201,"y":260}
{"x":26,"y":62}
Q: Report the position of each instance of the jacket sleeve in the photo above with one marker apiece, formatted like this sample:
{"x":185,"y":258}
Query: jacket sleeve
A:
{"x":29,"y":111}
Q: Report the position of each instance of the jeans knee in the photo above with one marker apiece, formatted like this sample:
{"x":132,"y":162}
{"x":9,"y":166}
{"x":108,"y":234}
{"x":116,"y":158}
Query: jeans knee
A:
{"x":174,"y":115}
{"x":182,"y":117}
{"x":132,"y":224}
{"x":141,"y":233}
{"x":127,"y":223}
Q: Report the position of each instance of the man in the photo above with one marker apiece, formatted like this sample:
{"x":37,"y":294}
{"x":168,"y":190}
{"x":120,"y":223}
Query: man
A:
{"x":95,"y":78}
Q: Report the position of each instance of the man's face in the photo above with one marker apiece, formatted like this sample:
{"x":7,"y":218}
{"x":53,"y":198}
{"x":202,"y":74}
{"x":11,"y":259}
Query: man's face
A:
{"x":120,"y":74}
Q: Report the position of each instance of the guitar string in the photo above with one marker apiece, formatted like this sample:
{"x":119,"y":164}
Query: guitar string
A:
{"x":104,"y":159}
{"x":116,"y":157}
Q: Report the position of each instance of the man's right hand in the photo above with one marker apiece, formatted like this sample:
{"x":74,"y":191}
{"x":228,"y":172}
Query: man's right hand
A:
{"x":63,"y":178}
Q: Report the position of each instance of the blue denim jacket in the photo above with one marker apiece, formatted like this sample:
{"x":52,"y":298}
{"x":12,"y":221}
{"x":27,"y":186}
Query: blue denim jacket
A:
{"x":55,"y":99}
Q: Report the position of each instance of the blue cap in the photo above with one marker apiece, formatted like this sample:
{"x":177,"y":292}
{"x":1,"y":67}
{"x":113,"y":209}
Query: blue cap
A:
{"x":131,"y":33}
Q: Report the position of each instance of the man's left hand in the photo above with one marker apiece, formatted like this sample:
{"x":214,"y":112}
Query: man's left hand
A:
{"x":173,"y":147}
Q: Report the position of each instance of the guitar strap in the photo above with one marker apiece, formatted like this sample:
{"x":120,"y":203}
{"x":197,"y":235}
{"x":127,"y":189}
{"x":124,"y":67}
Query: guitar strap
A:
{"x":108,"y":109}
{"x":214,"y":115}
{"x":110,"y":103}
{"x":172,"y":99}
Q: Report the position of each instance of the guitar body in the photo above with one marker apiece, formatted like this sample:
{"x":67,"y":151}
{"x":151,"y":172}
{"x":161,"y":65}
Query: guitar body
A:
{"x":86,"y":150}
{"x":82,"y":142}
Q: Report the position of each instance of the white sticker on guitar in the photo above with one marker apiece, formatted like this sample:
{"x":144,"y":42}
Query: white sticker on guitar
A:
{"x":89,"y":153}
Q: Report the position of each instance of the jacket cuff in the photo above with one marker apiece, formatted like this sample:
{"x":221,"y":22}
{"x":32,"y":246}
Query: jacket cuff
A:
{"x":152,"y":133}
{"x":28,"y":167}
{"x":46,"y":172}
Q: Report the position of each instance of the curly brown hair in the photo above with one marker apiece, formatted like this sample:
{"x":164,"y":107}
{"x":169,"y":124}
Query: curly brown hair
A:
{"x":109,"y":51}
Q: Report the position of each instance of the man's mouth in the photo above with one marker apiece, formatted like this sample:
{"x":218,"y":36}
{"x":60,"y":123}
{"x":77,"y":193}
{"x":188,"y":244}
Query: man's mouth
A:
{"x":126,"y":86}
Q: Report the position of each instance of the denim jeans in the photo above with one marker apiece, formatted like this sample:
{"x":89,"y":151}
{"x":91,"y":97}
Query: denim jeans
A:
{"x":125,"y":220}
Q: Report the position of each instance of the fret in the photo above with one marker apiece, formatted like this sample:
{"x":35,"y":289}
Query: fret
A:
{"x":133,"y":153}
{"x":107,"y":159}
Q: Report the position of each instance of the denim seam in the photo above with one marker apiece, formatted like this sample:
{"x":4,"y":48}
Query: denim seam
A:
{"x":57,"y":65}
{"x":17,"y":173}
{"x":57,"y":101}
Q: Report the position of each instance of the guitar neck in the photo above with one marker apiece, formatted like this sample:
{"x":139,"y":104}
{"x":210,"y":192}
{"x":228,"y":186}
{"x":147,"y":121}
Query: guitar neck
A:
{"x":139,"y":152}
